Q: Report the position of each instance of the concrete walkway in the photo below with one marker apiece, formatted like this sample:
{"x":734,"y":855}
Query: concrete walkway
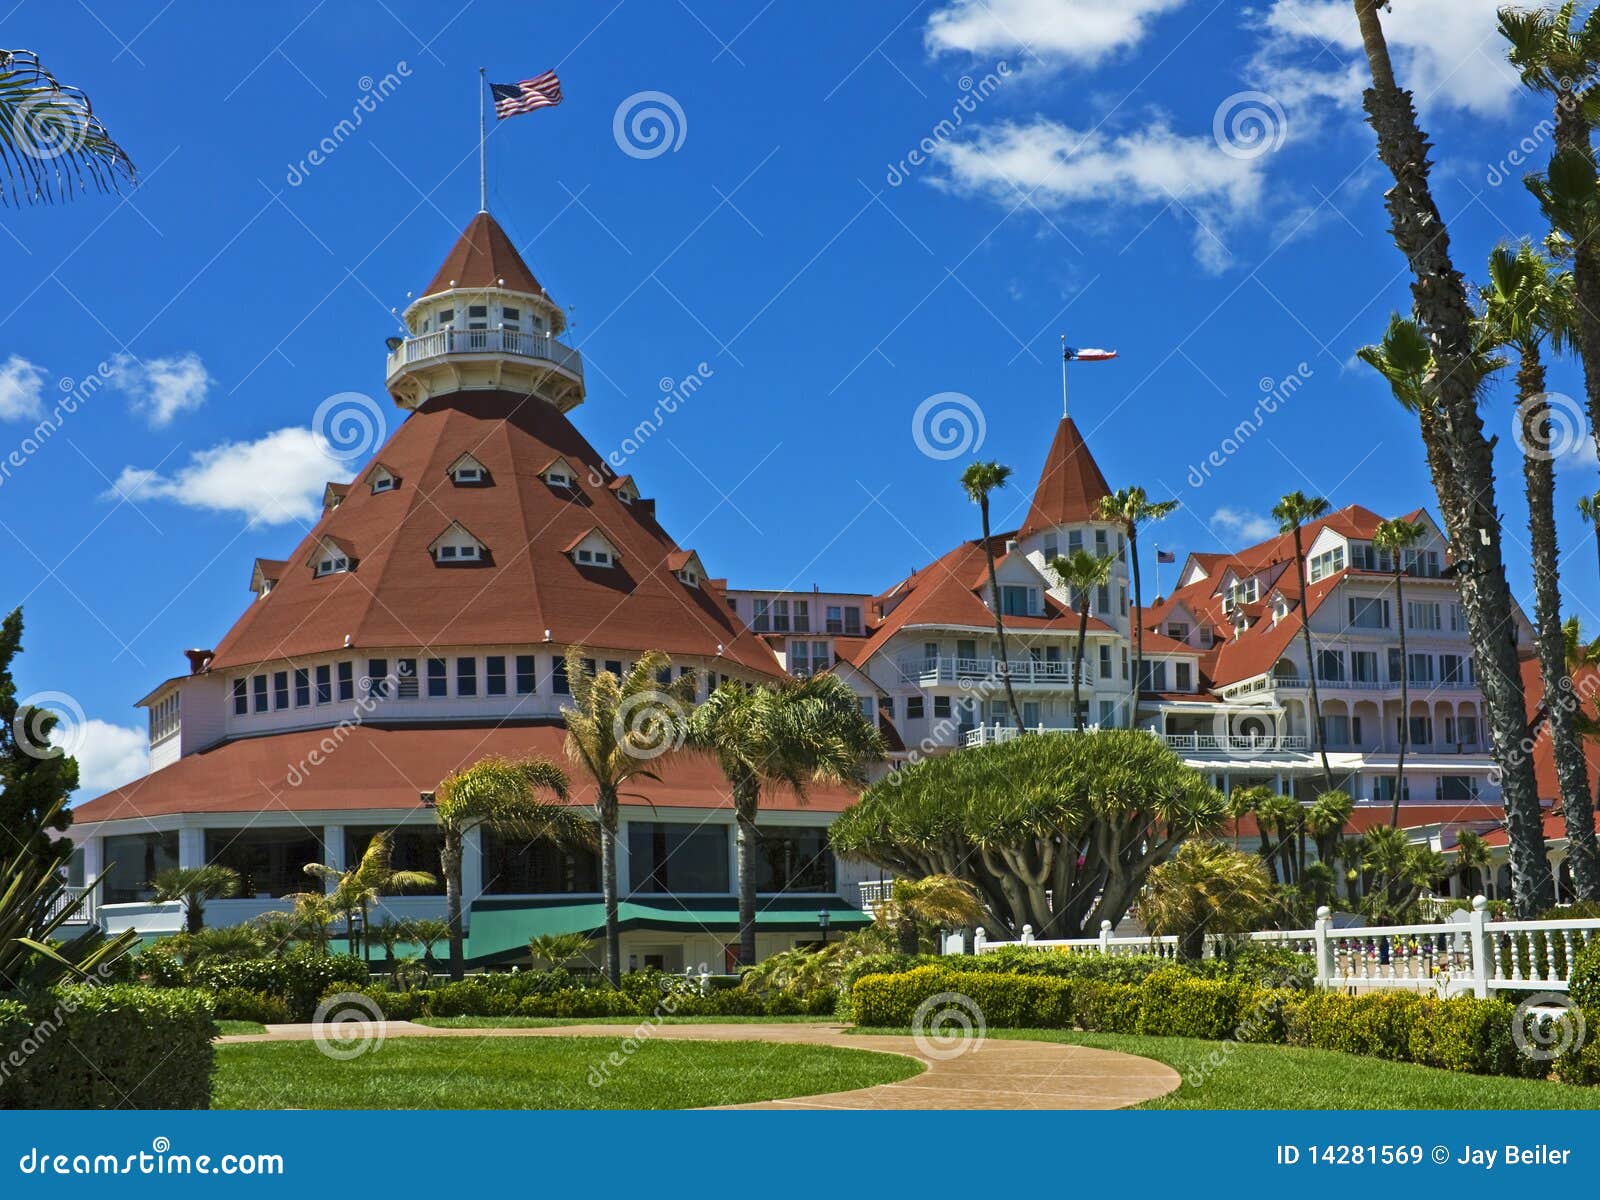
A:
{"x":994,"y":1073}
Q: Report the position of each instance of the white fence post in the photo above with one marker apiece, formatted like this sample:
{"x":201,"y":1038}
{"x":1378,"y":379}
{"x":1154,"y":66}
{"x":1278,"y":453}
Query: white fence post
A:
{"x":1478,"y":943}
{"x":1027,"y":935}
{"x":1105,"y":937}
{"x":1323,"y":947}
{"x":978,"y":939}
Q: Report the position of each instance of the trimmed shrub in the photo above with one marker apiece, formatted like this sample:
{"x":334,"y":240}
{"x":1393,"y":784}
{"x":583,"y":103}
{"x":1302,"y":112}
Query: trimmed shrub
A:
{"x":1581,"y":1064}
{"x":241,"y":1004}
{"x":1173,"y":1003}
{"x":115,"y":1046}
{"x":1006,"y":1001}
{"x":1585,"y":978}
{"x":1107,"y":1007}
{"x":1377,"y":1024}
{"x":1468,"y":1034}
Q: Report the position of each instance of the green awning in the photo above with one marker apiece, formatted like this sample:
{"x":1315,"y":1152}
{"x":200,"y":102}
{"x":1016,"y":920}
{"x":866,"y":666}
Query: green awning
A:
{"x":499,"y":929}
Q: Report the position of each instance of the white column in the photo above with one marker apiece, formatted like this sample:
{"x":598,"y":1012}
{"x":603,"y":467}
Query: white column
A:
{"x":332,"y":850}
{"x":625,"y":881}
{"x":471,"y":866}
{"x":191,"y":847}
{"x":94,"y":856}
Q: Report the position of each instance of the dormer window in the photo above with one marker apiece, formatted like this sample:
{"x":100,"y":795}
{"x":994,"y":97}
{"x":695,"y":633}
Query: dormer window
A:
{"x":467,"y":471}
{"x":560,"y":474}
{"x":600,"y":558}
{"x":457,"y":546}
{"x":331,"y":556}
{"x":381,"y":479}
{"x":624,"y":489}
{"x":592,"y":549}
{"x":689,"y":576}
{"x":332,"y":565}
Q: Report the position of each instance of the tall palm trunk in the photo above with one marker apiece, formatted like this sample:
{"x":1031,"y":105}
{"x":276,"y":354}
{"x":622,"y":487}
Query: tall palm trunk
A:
{"x":608,"y":884}
{"x":450,"y":860}
{"x":746,"y":797}
{"x":1405,"y":687}
{"x":1311,"y":662}
{"x":1572,"y":134}
{"x":999,"y":625}
{"x":1077,"y":666}
{"x":1138,"y":622}
{"x":1572,"y":773}
{"x":1466,"y":489}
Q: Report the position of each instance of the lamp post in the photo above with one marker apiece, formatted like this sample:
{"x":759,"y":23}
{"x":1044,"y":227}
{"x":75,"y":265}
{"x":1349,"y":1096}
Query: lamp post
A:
{"x":823,"y":918}
{"x":354,"y":930}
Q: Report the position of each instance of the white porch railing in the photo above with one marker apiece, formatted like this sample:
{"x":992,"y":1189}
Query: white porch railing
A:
{"x":515,"y":342}
{"x":1026,"y":671}
{"x":1478,"y":955}
{"x":1197,"y":743}
{"x":874,"y":892}
{"x":68,"y":895}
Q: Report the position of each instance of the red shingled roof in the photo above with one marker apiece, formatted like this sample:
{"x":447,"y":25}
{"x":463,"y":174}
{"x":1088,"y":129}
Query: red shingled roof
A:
{"x":482,"y":256}
{"x":378,"y":766}
{"x":397,"y":598}
{"x":1070,"y":485}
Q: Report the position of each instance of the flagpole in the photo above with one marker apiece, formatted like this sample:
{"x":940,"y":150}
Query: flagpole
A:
{"x":1063,"y":376}
{"x":483,"y":160}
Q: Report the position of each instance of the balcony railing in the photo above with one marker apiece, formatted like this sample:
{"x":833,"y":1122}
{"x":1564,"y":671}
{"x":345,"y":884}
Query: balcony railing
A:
{"x":65,"y":899}
{"x":1289,"y":683}
{"x":1197,"y":743}
{"x":1025,"y":671}
{"x":515,"y":342}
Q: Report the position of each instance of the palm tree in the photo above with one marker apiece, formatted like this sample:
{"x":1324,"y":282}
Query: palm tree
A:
{"x":616,"y":729}
{"x":1460,"y":457}
{"x":978,"y":480}
{"x":1525,"y":303}
{"x":356,"y":888}
{"x":1473,"y":858}
{"x":51,"y":144}
{"x":1325,"y":821}
{"x":426,"y":932}
{"x":1129,"y":508}
{"x":1205,"y":888}
{"x":1399,"y":870}
{"x":1283,"y":814}
{"x":1589,"y":506}
{"x":508,"y":797}
{"x":1083,"y":573}
{"x":1292,"y":512}
{"x":194,"y":886}
{"x":942,"y":901}
{"x":313,"y":914}
{"x":557,"y":949}
{"x":781,"y":736}
{"x":1394,"y":538}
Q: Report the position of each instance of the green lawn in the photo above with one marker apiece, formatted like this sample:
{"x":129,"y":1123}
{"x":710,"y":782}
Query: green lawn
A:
{"x":550,"y":1022}
{"x":1253,"y":1076}
{"x":554,"y":1072}
{"x":228,"y":1027}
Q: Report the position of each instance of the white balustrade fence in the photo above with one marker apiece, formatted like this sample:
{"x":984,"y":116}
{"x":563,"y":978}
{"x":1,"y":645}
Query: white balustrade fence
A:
{"x":1476,"y":955}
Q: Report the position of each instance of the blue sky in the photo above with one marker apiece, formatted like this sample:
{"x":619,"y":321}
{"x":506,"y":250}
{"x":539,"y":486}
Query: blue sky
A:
{"x":862,"y":207}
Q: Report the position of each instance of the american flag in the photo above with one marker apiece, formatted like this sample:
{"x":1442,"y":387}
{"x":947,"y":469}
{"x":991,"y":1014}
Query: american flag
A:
{"x":1166,"y":556}
{"x":542,"y":91}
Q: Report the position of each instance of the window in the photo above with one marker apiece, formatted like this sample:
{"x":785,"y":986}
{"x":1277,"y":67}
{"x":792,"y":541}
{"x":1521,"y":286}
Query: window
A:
{"x":800,"y":659}
{"x":598,"y":558}
{"x":1014,"y":601}
{"x":515,"y":867}
{"x":1458,"y":621}
{"x":324,"y":684}
{"x":526,"y":675}
{"x":270,"y":862}
{"x":135,"y":859}
{"x":941,"y":707}
{"x":559,"y":683}
{"x":834,"y":622}
{"x":1101,"y":546}
{"x":466,"y":677}
{"x":1423,"y":563}
{"x":411,"y":849}
{"x":1364,"y":666}
{"x":1102,"y":599}
{"x":1330,"y":665}
{"x":383,"y":482}
{"x":447,"y":316}
{"x":677,"y":857}
{"x":494,"y":675}
{"x":510,"y":316}
{"x":886,"y":707}
{"x":1153,"y":676}
{"x":1396,"y":665}
{"x":913,"y":708}
{"x":780,"y":616}
{"x":793,"y":860}
{"x":1184,"y":681}
{"x":405,"y":670}
{"x":280,"y":689}
{"x":347,"y":681}
{"x":558,"y":476}
{"x":477,"y":316}
{"x":333,"y":564}
{"x":438,"y":681}
{"x":1335,"y":730}
{"x":163,"y":718}
{"x":1105,"y":661}
{"x":1420,"y":614}
{"x":1124,"y":664}
{"x":614,"y":666}
{"x":1455,"y":668}
{"x":241,"y":701}
{"x":1074,"y":540}
{"x":1419,"y":668}
{"x":302,"y":687}
{"x":378,"y":677}
{"x":1052,"y":547}
{"x":1329,"y":562}
{"x":1458,"y":787}
{"x":1368,"y":612}
{"x":763,"y":623}
{"x":1420,"y":731}
{"x":1178,"y":631}
{"x":852,"y":619}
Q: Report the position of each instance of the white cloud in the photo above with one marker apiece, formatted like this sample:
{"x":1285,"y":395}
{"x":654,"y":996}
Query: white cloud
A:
{"x":1056,"y":31}
{"x":1051,"y":166}
{"x":273,"y":480}
{"x":1448,"y":52}
{"x":21,"y":389}
{"x":1235,"y":525}
{"x":162,"y":388}
{"x":108,"y":755}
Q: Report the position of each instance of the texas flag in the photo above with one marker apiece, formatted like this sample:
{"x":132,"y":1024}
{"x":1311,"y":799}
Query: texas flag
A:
{"x":1088,"y":355}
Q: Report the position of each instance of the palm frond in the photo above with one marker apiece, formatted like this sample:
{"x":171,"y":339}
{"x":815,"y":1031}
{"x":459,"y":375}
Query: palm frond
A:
{"x":52,"y":146}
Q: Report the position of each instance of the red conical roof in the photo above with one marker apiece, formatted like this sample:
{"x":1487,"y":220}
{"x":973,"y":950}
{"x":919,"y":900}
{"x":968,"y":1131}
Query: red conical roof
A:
{"x":1070,"y":486}
{"x":482,"y":257}
{"x":396,"y":597}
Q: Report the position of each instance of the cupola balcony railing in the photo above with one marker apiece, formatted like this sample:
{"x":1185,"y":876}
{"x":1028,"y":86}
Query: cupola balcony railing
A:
{"x":515,"y":343}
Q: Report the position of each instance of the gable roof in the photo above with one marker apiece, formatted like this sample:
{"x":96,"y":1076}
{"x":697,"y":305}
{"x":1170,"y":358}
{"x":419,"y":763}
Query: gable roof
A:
{"x":1070,"y":485}
{"x":482,"y":256}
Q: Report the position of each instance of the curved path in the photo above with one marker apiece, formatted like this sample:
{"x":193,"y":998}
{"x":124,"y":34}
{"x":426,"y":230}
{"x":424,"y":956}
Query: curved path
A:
{"x":997,"y":1073}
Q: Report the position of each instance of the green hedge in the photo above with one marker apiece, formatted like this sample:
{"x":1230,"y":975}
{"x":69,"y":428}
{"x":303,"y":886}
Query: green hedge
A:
{"x":115,"y":1046}
{"x":1584,"y":981}
{"x":1460,"y":1034}
{"x":1264,"y":966}
{"x":298,"y":978}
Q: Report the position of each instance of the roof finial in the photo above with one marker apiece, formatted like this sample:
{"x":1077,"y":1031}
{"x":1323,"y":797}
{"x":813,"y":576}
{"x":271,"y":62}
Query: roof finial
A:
{"x":483,"y":159}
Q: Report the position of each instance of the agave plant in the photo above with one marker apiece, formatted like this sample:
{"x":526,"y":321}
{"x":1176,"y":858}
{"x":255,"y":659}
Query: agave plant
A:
{"x":558,"y":949}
